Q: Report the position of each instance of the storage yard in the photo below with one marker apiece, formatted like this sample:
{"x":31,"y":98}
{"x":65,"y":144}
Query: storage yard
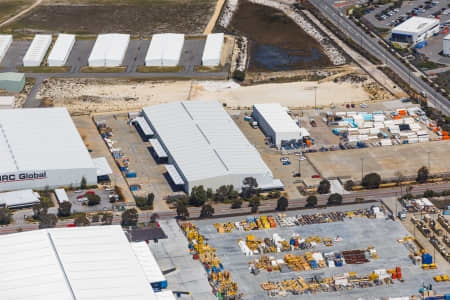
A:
{"x":334,"y":253}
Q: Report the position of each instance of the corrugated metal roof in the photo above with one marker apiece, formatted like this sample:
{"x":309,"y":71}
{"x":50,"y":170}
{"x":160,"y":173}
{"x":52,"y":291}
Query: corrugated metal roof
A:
{"x":61,"y":195}
{"x":18,"y":198}
{"x":159,"y":150}
{"x":415,"y":25}
{"x":102,"y":166}
{"x":40,"y":139}
{"x":11,"y":76}
{"x":204,"y":140}
{"x":94,"y":262}
{"x":213,"y":49}
{"x":144,"y":126}
{"x":61,"y":50}
{"x":109,"y":50}
{"x":165,"y":49}
{"x":277,"y":117}
{"x":5,"y":42}
{"x":176,"y":178}
{"x":148,"y":262}
{"x":37,"y":50}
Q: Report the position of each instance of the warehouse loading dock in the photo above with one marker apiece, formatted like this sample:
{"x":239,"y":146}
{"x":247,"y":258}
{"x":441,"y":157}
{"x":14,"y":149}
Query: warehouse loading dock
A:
{"x":161,"y":154}
{"x":174,"y":175}
{"x":144,"y":129}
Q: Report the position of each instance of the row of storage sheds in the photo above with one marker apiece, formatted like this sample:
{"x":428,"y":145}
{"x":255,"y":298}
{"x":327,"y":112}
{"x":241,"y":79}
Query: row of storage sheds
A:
{"x":5,"y":43}
{"x":37,"y":50}
{"x":61,"y":50}
{"x":213,"y":49}
{"x":109,"y":50}
{"x":165,"y":50}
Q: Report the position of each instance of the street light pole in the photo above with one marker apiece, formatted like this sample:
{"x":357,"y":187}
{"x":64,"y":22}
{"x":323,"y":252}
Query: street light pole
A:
{"x":362,"y":169}
{"x":299,"y":167}
{"x":315,"y":97}
{"x":429,"y":165}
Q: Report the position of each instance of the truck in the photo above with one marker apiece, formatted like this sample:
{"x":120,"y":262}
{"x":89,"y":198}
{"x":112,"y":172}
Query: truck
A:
{"x":254,"y":124}
{"x":402,"y":215}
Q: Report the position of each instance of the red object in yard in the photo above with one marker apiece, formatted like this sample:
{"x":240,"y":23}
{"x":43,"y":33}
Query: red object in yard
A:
{"x":70,"y":225}
{"x":315,"y":176}
{"x":79,"y":197}
{"x":399,"y":275}
{"x":90,"y":192}
{"x":394,"y":275}
{"x":398,"y":270}
{"x":195,"y":256}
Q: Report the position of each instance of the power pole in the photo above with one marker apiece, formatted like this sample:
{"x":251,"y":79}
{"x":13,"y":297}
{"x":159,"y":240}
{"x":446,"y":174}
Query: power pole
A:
{"x":362,"y":169}
{"x":299,"y":167}
{"x":315,"y":97}
{"x":429,"y":165}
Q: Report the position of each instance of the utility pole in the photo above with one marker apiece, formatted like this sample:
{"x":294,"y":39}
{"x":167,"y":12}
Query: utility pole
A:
{"x":299,"y":167}
{"x":315,"y":97}
{"x":362,"y":169}
{"x":429,"y":165}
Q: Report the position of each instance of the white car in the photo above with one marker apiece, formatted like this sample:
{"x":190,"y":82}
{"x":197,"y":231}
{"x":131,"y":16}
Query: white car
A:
{"x":283,"y":159}
{"x":302,"y":158}
{"x":82,"y":199}
{"x":363,"y":105}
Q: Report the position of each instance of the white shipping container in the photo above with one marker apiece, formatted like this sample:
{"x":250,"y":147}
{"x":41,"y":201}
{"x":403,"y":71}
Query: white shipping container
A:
{"x":413,"y":140}
{"x":213,"y":49}
{"x":363,"y":137}
{"x":373,"y":131}
{"x":386,"y":142}
{"x":5,"y":43}
{"x":342,"y":123}
{"x":61,"y":50}
{"x":341,"y":114}
{"x":364,"y":131}
{"x":37,"y":50}
{"x":368,"y":124}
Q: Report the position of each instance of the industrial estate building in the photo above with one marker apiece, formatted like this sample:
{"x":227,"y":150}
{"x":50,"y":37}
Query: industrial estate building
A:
{"x":42,"y":148}
{"x":415,"y":30}
{"x":109,"y":50}
{"x":446,"y":45}
{"x":19,"y":199}
{"x":213,"y":49}
{"x":205,"y":147}
{"x":165,"y":50}
{"x":61,"y":50}
{"x":276,"y":123}
{"x":37,"y":50}
{"x":5,"y":43}
{"x":12,"y":82}
{"x":95,"y":262}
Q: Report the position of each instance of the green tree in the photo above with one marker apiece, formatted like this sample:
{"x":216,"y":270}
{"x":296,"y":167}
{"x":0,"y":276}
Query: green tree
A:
{"x":198,"y":196}
{"x":83,"y":183}
{"x":236,"y":203}
{"x":36,"y":210}
{"x":182,"y":211}
{"x":282,"y":204}
{"x":141,"y":202}
{"x":150,"y":200}
{"x":154,"y":218}
{"x":254,"y":203}
{"x":207,"y":211}
{"x":81,"y":220}
{"x":107,"y":219}
{"x":96,"y":218}
{"x":428,"y":194}
{"x":93,"y":199}
{"x":130,"y":217}
{"x":5,"y":216}
{"x":348,"y":185}
{"x":324,"y":187}
{"x":64,"y":209}
{"x":225,"y":193}
{"x":371,"y":181}
{"x":422,"y":175}
{"x":335,"y":199}
{"x":249,"y":187}
{"x":209,"y":194}
{"x":47,"y":220}
{"x":311,"y":201}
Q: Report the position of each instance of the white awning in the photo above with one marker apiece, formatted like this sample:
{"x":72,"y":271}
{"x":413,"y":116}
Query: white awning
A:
{"x":176,"y":178}
{"x":159,"y":150}
{"x":102,"y":166}
{"x":61,"y":195}
{"x":143,"y":125}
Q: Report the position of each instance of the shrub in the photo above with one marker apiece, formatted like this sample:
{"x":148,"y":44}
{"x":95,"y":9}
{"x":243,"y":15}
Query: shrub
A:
{"x":371,"y":181}
{"x":311,"y":201}
{"x":335,"y":199}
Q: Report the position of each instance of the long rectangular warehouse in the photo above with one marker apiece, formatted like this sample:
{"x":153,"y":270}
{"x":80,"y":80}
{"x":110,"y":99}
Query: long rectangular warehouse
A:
{"x":109,"y":50}
{"x":415,"y":29}
{"x":37,"y":50}
{"x":276,"y":123}
{"x":91,"y":262}
{"x":42,"y":148}
{"x":165,"y":50}
{"x":213,"y":49}
{"x":5,"y":43}
{"x":61,"y":50}
{"x":206,"y":147}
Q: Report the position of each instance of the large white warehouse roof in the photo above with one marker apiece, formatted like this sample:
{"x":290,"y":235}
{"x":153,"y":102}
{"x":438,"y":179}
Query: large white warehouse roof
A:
{"x":277,"y":117}
{"x":165,"y":49}
{"x":205,"y":143}
{"x":5,"y":42}
{"x":40,"y":139}
{"x":61,"y":50}
{"x":37,"y":50}
{"x":94,"y":262}
{"x":213,"y":49}
{"x":415,"y":25}
{"x":109,"y":50}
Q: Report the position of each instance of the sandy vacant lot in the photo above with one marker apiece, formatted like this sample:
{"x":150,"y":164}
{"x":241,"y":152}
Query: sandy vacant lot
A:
{"x":115,"y":95}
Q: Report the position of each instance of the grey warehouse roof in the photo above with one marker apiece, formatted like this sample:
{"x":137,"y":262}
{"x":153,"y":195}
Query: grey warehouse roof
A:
{"x":40,"y":139}
{"x":204,"y":141}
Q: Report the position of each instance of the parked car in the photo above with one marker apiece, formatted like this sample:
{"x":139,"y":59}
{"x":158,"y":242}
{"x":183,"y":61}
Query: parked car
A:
{"x":315,"y":176}
{"x":283,"y":159}
{"x":363,"y":105}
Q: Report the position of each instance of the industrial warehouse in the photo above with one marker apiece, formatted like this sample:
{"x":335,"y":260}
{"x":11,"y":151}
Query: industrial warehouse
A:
{"x":70,"y":263}
{"x":165,"y":50}
{"x":5,"y":43}
{"x":213,"y":49}
{"x":37,"y":50}
{"x":415,"y":30}
{"x":109,"y":50}
{"x":61,"y":50}
{"x":277,"y":124}
{"x":42,"y":148}
{"x":205,"y":147}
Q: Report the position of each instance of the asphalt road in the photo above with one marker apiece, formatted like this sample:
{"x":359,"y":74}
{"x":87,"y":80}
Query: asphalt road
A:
{"x":225,"y":209}
{"x":370,"y":44}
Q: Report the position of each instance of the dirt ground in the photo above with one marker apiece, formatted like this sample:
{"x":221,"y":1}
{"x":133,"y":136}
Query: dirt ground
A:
{"x":134,"y":17}
{"x":272,"y":45}
{"x":9,"y":8}
{"x":443,"y":79}
{"x":385,"y":161}
{"x":85,"y":95}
